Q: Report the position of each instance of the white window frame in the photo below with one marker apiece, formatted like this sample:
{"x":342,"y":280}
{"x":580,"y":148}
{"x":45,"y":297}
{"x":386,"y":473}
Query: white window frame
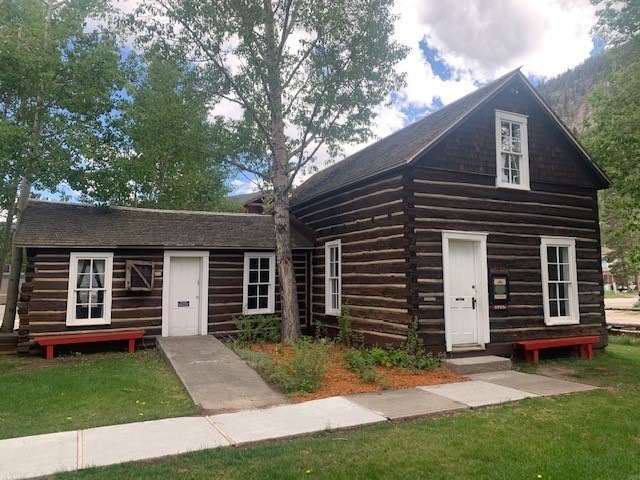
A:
{"x":328,"y":310}
{"x":574,"y":309}
{"x":108,"y":288}
{"x":524,"y":165}
{"x":271,"y":300}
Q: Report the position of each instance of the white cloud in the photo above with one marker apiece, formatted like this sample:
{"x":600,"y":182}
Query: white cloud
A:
{"x":243,"y":186}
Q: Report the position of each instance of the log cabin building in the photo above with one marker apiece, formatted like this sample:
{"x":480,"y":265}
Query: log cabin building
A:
{"x":480,"y":221}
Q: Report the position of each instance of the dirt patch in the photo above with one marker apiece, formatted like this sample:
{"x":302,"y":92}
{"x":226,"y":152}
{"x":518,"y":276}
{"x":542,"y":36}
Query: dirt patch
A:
{"x":340,"y":380}
{"x":562,"y":372}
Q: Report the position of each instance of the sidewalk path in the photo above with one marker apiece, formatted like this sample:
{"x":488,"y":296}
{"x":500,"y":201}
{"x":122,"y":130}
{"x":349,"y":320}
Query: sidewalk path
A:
{"x":215,"y":377}
{"x":46,"y":454}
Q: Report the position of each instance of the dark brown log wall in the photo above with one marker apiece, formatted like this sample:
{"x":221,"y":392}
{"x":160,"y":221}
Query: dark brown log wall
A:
{"x":43,"y":298}
{"x":226,"y":269}
{"x":453,"y":188}
{"x":369,"y":221}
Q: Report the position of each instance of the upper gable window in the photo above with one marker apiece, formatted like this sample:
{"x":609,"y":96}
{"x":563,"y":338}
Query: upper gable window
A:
{"x":512,"y":150}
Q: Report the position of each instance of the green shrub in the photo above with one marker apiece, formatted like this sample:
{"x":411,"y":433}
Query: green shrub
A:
{"x":381,"y":357}
{"x":258,"y":329}
{"x":413,"y":356}
{"x":302,"y":371}
{"x":363,"y":363}
{"x":346,"y":335}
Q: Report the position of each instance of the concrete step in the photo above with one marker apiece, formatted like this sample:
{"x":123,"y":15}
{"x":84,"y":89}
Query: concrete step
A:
{"x":486,"y":363}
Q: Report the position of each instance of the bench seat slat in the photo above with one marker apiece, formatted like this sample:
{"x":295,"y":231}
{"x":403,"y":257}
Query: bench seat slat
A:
{"x":555,"y":342}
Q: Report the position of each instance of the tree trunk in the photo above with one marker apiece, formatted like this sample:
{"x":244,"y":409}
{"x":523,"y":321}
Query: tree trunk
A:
{"x":7,"y":237}
{"x":16,"y":264}
{"x":280,"y":177}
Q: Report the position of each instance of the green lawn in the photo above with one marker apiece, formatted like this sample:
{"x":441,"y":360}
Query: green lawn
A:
{"x":592,"y":435}
{"x":68,"y":393}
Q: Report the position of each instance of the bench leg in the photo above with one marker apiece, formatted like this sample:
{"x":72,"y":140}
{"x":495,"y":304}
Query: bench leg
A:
{"x":132,"y":345}
{"x":590,"y":351}
{"x":49,"y":352}
{"x":535,"y":355}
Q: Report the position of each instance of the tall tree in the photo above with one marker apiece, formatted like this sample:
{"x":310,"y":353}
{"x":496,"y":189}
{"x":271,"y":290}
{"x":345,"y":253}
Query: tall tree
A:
{"x":169,"y":155}
{"x":306,"y":75}
{"x":618,"y":20}
{"x":56,"y":87}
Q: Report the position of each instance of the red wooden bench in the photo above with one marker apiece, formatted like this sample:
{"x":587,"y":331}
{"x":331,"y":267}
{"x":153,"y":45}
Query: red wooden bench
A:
{"x":531,"y":347}
{"x":74,"y":338}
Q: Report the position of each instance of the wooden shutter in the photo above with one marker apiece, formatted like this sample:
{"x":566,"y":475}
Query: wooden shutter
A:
{"x":139,"y":275}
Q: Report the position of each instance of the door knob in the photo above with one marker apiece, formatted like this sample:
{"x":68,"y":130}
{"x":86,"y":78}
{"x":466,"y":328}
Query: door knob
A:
{"x":473,"y":303}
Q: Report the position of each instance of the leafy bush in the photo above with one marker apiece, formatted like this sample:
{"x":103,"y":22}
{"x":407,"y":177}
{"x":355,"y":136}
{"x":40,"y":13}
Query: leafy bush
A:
{"x":301,"y":371}
{"x":258,"y":329}
{"x":346,"y":335}
{"x":363,"y":363}
{"x":413,"y":356}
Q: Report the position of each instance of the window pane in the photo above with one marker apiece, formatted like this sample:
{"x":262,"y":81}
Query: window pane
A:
{"x":553,"y":272}
{"x":83,"y":281}
{"x":564,"y":271}
{"x":504,"y":128}
{"x":564,"y":308}
{"x":515,"y":130}
{"x":263,"y":302}
{"x":553,"y":308}
{"x":264,"y":263}
{"x":100,"y":296}
{"x":82,"y":296}
{"x":552,"y":255}
{"x":517,"y":146}
{"x":253,"y":276}
{"x":84,"y":266}
{"x":263,"y":290}
{"x":82,"y":312}
{"x":505,"y":161}
{"x":515,"y":177}
{"x":253,"y":263}
{"x":96,"y":311}
{"x":252,"y":303}
{"x":264,"y":276}
{"x":506,"y":144}
{"x":553,"y":291}
{"x":563,"y":290}
{"x":564,"y":254}
{"x":334,"y":302}
{"x":252,"y":290}
{"x":97,"y":280}
{"x":514,"y":162}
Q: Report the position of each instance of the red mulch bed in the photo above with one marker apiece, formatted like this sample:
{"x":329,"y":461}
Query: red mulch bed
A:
{"x":340,"y":380}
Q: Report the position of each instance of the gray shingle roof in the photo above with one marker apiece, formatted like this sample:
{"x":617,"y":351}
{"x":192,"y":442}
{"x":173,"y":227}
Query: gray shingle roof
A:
{"x":398,"y":148}
{"x":57,"y":224}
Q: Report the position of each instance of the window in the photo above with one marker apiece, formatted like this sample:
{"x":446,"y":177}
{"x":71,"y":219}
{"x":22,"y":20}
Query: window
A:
{"x":512,"y":169}
{"x":259,"y":283}
{"x":559,"y":281}
{"x":333,"y":282}
{"x":89,"y":299}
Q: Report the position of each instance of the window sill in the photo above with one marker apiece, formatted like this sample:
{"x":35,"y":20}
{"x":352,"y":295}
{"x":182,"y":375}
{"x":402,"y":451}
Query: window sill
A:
{"x":561,"y":321}
{"x":513,"y":186}
{"x":81,"y":323}
{"x":263,"y":311}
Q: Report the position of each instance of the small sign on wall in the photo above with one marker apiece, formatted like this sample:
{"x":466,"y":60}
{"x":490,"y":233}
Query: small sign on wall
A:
{"x":499,"y":294}
{"x":183,"y":303}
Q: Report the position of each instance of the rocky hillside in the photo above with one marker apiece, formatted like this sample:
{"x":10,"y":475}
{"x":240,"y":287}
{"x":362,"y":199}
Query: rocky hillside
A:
{"x":568,"y":93}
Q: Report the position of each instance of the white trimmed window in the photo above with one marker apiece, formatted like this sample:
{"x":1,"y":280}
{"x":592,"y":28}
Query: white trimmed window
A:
{"x":512,"y":150}
{"x":559,"y":281}
{"x":90,"y":279}
{"x":333,"y":277}
{"x":259,"y":283}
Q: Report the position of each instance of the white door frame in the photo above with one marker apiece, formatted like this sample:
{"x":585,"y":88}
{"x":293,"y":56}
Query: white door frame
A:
{"x":204,"y":287}
{"x":479,"y":240}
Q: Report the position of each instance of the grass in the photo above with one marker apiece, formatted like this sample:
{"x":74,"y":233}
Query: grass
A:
{"x":628,"y":294}
{"x":68,"y":393}
{"x":591,"y":435}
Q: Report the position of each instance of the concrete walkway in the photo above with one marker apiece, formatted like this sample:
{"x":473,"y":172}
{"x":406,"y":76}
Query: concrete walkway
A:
{"x":215,"y":377}
{"x":46,"y":454}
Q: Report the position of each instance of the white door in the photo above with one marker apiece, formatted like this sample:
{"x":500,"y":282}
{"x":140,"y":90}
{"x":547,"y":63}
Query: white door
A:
{"x":184,"y":301}
{"x":462,"y":275}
